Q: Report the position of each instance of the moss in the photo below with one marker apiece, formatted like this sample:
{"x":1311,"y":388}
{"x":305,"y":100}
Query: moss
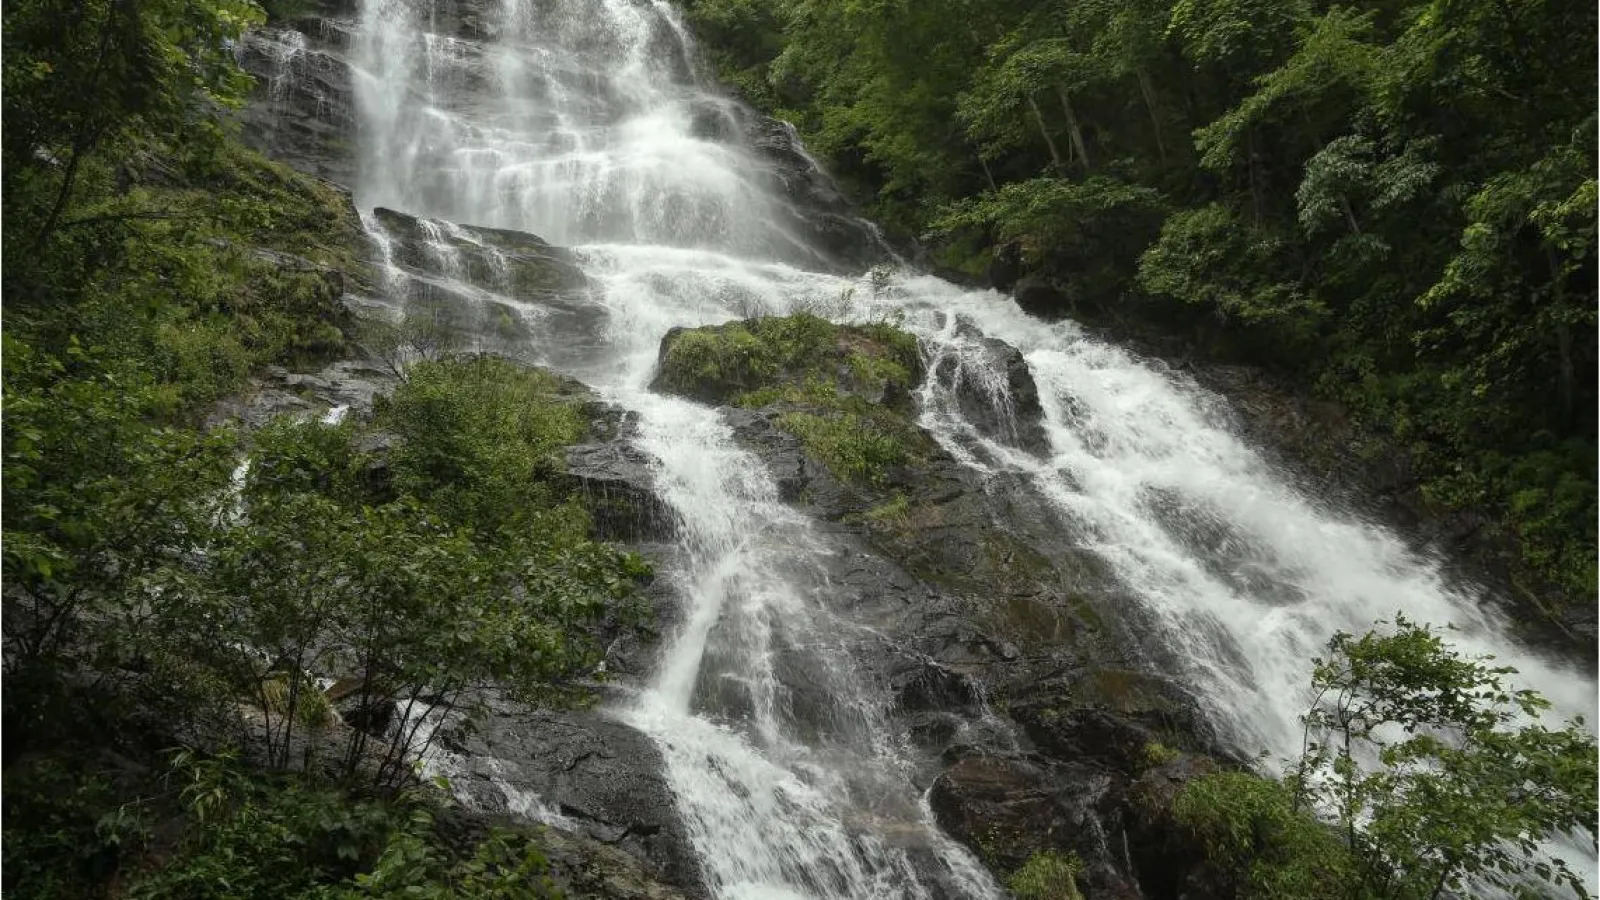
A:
{"x":751,"y":363}
{"x":1047,"y":875}
{"x":844,"y":389}
{"x":892,"y":512}
{"x":854,"y":447}
{"x":1159,"y":754}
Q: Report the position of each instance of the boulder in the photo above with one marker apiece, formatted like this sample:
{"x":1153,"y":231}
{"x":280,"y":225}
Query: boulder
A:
{"x":1006,"y":267}
{"x":582,"y":771}
{"x":997,"y":394}
{"x":1041,"y":297}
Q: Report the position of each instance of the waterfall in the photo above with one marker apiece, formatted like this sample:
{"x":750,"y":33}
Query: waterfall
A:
{"x":588,"y":123}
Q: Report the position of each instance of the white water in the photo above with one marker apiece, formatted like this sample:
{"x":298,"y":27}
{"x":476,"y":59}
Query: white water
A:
{"x":580,"y":121}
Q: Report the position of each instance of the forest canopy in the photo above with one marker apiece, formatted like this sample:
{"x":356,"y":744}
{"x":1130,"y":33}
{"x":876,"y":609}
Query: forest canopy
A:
{"x":1393,"y":201}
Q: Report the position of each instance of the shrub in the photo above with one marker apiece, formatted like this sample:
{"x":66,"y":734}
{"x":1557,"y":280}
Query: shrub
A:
{"x":1047,"y":875}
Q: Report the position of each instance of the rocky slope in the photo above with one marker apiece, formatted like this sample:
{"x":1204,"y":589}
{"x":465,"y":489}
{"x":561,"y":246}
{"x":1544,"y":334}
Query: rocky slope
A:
{"x":1014,"y":661}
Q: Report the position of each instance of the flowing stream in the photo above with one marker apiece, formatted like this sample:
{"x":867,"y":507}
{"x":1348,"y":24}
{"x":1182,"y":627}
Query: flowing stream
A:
{"x":590,"y":124}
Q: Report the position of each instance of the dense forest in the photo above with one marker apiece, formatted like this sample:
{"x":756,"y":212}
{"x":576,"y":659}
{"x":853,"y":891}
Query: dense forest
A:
{"x":1394,"y":202}
{"x":171,"y":579}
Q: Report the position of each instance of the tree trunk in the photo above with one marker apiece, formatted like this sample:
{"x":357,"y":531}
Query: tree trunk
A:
{"x":1567,"y":389}
{"x":1072,"y":126}
{"x":1150,"y":107}
{"x":987,"y":175}
{"x":1349,"y":214}
{"x":1255,"y":187}
{"x":1038,"y":117}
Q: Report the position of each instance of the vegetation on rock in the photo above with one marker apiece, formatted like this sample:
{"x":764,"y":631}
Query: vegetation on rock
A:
{"x":844,"y":390}
{"x":1396,"y":203}
{"x":1047,"y":876}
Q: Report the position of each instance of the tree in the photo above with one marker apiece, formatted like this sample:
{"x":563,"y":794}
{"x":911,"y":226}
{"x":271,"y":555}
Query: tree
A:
{"x":1437,"y":773}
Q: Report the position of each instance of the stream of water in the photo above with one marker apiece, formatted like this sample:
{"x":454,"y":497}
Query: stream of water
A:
{"x":589,"y":123}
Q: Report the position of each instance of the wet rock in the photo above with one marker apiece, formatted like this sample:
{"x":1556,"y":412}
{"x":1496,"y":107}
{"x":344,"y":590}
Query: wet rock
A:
{"x":591,"y":774}
{"x":617,"y":480}
{"x":1006,"y":810}
{"x":1039,"y":296}
{"x":302,"y":111}
{"x":347,"y":384}
{"x":1015,"y":662}
{"x":820,"y":214}
{"x":1170,"y":862}
{"x":495,"y":259}
{"x":579,"y":866}
{"x":1006,"y":267}
{"x":997,"y":394}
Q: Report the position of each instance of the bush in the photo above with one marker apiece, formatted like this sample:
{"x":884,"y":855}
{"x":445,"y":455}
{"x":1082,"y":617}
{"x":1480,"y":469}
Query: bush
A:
{"x":1259,"y":845}
{"x":1047,"y":875}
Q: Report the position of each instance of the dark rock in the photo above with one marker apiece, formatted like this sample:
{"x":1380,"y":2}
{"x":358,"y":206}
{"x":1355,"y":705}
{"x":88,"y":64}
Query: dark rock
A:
{"x":302,"y":111}
{"x":579,"y":866}
{"x":997,"y":394}
{"x":819,"y":214}
{"x":617,"y":481}
{"x":602,"y":777}
{"x":350,"y":384}
{"x":1038,"y":296}
{"x":1168,"y":858}
{"x":1007,"y":809}
{"x":514,"y":263}
{"x":1006,"y":267}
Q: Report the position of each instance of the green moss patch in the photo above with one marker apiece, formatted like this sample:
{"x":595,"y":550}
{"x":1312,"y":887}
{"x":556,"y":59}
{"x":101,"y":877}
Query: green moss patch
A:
{"x":844,"y":390}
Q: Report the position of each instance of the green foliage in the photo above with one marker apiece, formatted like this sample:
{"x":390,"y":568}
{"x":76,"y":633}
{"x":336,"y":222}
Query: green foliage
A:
{"x":1208,"y":257}
{"x":65,"y":829}
{"x":854,"y":447}
{"x":893,"y":511}
{"x":1394,"y":201}
{"x":1047,"y":875}
{"x":845,"y":389}
{"x":480,"y":437}
{"x":466,"y":568}
{"x":1159,"y":754}
{"x":1468,"y":777}
{"x":210,"y":828}
{"x":1432,"y":775}
{"x":152,"y":265}
{"x":1261,"y":846}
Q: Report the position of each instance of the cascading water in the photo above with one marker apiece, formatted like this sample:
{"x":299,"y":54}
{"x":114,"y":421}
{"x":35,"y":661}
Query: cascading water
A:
{"x":586,"y":123}
{"x":579,"y":122}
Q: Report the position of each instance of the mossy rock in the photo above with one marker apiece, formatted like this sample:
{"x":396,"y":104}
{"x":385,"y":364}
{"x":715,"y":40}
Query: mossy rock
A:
{"x":844,"y":390}
{"x":759,"y":361}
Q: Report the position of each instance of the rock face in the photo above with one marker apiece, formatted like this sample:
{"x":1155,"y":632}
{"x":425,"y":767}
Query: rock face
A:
{"x":580,"y":772}
{"x":472,"y":286}
{"x":821,"y":216}
{"x":510,"y":262}
{"x":1038,"y":296}
{"x":303,"y":109}
{"x":998,"y":395}
{"x":1011,"y":657}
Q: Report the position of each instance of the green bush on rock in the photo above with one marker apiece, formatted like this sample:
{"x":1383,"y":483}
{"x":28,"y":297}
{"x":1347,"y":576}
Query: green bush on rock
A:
{"x":1047,"y":875}
{"x":1434,"y":775}
{"x":844,"y":390}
